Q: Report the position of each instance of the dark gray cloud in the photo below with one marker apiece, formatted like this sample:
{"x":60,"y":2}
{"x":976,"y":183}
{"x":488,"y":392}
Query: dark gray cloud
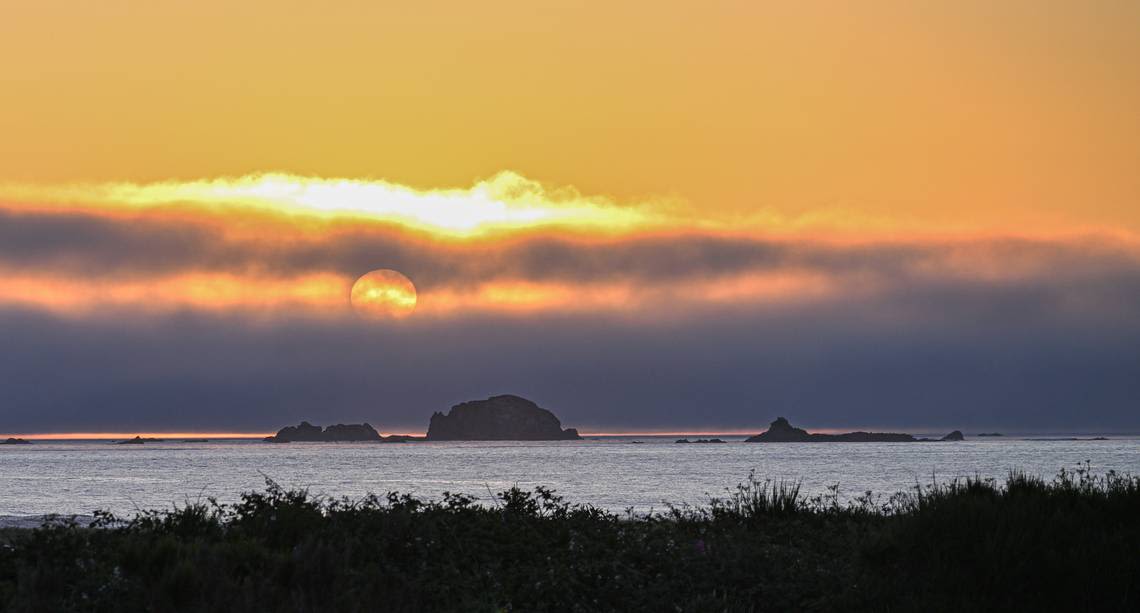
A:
{"x":87,"y":244}
{"x":94,"y":246}
{"x":941,"y":355}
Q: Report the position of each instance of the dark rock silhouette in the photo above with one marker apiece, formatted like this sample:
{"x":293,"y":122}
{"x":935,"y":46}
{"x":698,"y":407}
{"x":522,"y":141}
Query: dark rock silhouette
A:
{"x":301,"y":432}
{"x":138,"y":440}
{"x":783,"y":432}
{"x":351,"y":432}
{"x":700,"y":440}
{"x":499,"y":418}
{"x":990,"y":434}
{"x":780,"y":431}
{"x":400,"y":438}
{"x":306,"y":432}
{"x":15,"y":441}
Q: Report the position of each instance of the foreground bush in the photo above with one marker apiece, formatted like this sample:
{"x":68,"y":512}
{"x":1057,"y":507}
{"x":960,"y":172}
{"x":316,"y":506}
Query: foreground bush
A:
{"x":1069,"y":544}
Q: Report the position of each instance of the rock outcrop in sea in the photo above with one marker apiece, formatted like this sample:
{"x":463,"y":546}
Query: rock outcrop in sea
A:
{"x":138,"y":440}
{"x":15,"y":441}
{"x":499,"y":418}
{"x":780,"y":431}
{"x":306,"y":432}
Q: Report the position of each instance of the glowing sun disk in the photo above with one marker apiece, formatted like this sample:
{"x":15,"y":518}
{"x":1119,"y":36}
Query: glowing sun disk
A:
{"x":383,"y":294}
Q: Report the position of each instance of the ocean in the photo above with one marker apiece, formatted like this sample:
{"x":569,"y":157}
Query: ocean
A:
{"x":79,"y":477}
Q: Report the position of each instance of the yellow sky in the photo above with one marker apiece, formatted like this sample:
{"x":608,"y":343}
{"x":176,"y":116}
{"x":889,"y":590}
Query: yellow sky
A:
{"x":1006,"y":115}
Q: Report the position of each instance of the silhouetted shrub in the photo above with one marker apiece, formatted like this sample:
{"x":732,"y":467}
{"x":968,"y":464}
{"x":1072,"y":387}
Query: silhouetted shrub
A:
{"x":1023,"y":544}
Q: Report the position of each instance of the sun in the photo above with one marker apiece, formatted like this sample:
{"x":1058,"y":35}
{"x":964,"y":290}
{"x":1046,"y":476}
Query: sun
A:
{"x":383,"y":294}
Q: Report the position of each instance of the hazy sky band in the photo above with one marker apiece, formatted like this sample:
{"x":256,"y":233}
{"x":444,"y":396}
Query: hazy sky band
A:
{"x":936,"y":358}
{"x":215,"y":316}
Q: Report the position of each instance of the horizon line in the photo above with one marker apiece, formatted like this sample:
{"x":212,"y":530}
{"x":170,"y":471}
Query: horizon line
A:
{"x":252,"y":435}
{"x":116,"y":435}
{"x":119,"y":435}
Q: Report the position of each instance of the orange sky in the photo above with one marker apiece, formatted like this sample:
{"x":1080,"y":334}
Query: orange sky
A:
{"x":1011,"y":114}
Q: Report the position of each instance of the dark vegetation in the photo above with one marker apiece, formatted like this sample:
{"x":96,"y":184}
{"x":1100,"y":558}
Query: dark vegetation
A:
{"x":1027,"y":544}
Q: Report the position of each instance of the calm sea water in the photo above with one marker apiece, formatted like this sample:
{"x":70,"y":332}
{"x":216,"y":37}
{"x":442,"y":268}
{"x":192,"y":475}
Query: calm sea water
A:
{"x":610,"y":472}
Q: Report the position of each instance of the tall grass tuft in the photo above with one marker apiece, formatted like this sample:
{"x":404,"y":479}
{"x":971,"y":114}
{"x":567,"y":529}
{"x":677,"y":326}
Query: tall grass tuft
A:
{"x":755,"y":498}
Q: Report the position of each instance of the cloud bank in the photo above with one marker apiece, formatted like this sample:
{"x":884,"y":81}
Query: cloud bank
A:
{"x":223,"y":305}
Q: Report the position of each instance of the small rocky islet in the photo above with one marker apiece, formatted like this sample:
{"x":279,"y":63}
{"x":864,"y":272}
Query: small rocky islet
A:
{"x":498,"y":418}
{"x":781,"y":431}
{"x":139,"y":440}
{"x":513,"y":418}
{"x":339,"y":433}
